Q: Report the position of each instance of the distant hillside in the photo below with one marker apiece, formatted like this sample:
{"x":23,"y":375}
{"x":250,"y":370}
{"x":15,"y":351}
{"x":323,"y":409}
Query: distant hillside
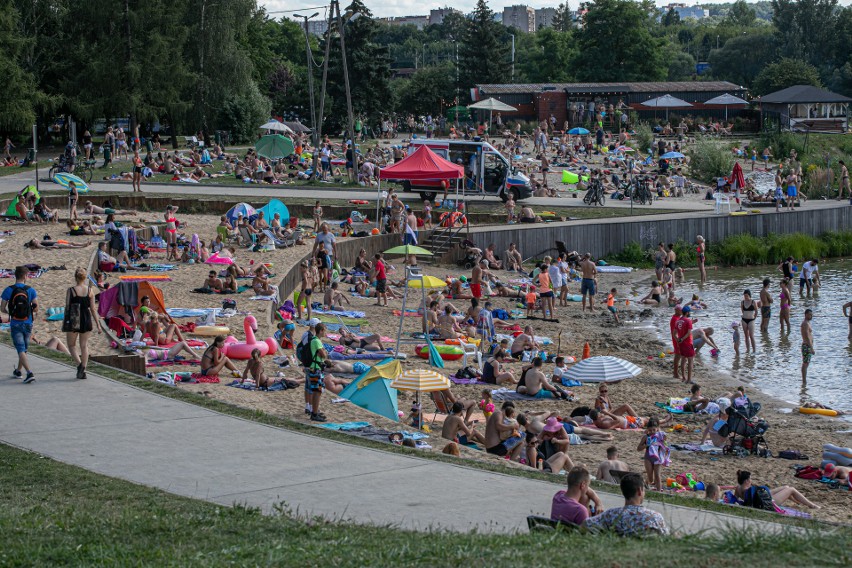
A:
{"x":763,"y":10}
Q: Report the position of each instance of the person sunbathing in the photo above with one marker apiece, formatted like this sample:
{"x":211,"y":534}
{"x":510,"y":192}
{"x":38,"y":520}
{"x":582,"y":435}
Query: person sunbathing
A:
{"x":170,"y":354}
{"x":76,"y":229}
{"x":52,"y":342}
{"x":91,"y":209}
{"x":51,"y":244}
{"x":457,"y":291}
{"x":260,"y":283}
{"x":537,"y":420}
{"x":213,"y":360}
{"x":333,"y":298}
{"x":213,"y":282}
{"x":838,"y":472}
{"x":489,"y":257}
{"x":533,"y":381}
{"x":368,"y":343}
{"x":608,"y":421}
{"x":448,"y":327}
{"x":161,"y":330}
{"x":254,"y":367}
{"x":602,"y":403}
{"x":457,"y":430}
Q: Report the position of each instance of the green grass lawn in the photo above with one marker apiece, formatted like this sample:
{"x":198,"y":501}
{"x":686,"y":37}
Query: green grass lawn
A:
{"x":10,"y":171}
{"x":56,"y":514}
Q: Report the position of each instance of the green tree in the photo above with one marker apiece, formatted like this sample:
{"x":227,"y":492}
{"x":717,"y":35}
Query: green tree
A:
{"x":546,"y":56}
{"x":786,"y":73}
{"x":743,"y":57}
{"x":428,"y":91}
{"x":616,"y":43}
{"x":563,"y":19}
{"x":741,"y":14}
{"x":805,"y":29}
{"x":681,"y":66}
{"x":369,"y":70}
{"x":671,"y":18}
{"x":484,"y":51}
{"x":17,"y":110}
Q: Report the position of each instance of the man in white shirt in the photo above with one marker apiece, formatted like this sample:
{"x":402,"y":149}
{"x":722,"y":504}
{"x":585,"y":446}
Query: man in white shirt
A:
{"x":556,"y":275}
{"x":809,"y":276}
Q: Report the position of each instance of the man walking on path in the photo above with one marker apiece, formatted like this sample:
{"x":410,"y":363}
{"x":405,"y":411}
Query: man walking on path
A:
{"x":19,"y":301}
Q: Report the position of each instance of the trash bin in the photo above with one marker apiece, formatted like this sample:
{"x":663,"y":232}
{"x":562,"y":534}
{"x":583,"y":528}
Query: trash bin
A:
{"x":31,"y":156}
{"x":107,"y":155}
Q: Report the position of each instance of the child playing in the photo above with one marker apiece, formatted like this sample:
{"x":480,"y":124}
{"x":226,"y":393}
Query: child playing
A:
{"x":487,"y":403}
{"x":610,"y":305}
{"x":531,"y":297}
{"x":509,"y":420}
{"x":317,"y":216}
{"x":427,"y":214}
{"x":510,"y":209}
{"x":696,"y":303}
{"x":254,"y":366}
{"x":172,"y":254}
{"x":656,"y":453}
{"x":415,"y":417}
{"x":735,"y":327}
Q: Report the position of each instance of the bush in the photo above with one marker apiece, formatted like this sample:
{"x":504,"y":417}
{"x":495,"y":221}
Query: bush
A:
{"x":633,"y":255}
{"x":781,"y":144}
{"x":837,"y":243}
{"x":741,"y":250}
{"x":243,"y":111}
{"x":643,"y":134}
{"x":709,"y":161}
{"x":818,"y":182}
{"x":797,"y":245}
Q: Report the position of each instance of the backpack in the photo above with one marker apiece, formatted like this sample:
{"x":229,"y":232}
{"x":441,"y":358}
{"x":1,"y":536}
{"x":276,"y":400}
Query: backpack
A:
{"x":303,"y":351}
{"x":762,"y":498}
{"x":809,"y":472}
{"x":724,"y":430}
{"x":20,"y":308}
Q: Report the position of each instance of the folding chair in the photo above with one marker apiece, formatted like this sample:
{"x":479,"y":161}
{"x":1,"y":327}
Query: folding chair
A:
{"x":276,"y":241}
{"x":247,"y":237}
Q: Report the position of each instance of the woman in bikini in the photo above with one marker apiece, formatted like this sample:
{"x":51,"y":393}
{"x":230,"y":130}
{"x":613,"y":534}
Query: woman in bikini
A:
{"x":749,"y":308}
{"x":306,"y":288}
{"x":701,"y":254}
{"x":162,"y":331}
{"x":213,"y":360}
{"x":368,"y":343}
{"x":73,"y":196}
{"x":254,"y":367}
{"x":229,"y":284}
{"x":654,"y":297}
{"x":260,"y":283}
{"x":786,"y":301}
{"x":171,"y":225}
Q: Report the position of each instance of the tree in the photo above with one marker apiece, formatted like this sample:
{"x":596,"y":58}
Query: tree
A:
{"x":546,"y":56}
{"x":369,"y":69}
{"x":17,"y":102}
{"x":805,"y":29}
{"x":741,"y":14}
{"x":671,"y":18}
{"x":681,"y":66}
{"x":563,"y":19}
{"x":428,"y":90}
{"x":616,"y":43}
{"x":786,"y":73}
{"x":484,"y":51}
{"x":743,"y":57}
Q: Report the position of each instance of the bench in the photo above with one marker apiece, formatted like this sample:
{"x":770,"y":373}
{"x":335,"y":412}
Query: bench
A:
{"x":835,"y":125}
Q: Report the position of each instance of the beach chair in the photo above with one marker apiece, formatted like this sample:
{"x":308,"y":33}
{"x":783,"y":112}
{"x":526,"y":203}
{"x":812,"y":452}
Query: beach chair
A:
{"x":721,"y":199}
{"x":537,"y":523}
{"x":471,"y":351}
{"x":442,"y":404}
{"x":247,"y":238}
{"x":281,"y":243}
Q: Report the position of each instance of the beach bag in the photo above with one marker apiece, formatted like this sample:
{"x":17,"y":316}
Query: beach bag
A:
{"x":229,"y":304}
{"x":19,"y":307}
{"x":73,"y":314}
{"x":808,"y":472}
{"x":762,"y":499}
{"x":793,"y":455}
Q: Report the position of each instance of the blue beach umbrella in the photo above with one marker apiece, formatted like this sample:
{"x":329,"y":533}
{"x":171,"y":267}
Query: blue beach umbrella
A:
{"x":578,"y":130}
{"x":672,"y":156}
{"x":63,"y":178}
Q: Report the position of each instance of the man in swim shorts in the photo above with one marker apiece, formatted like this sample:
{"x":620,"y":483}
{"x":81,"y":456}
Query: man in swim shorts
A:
{"x":792,"y":191}
{"x":675,"y":345}
{"x":808,"y":350}
{"x":476,"y":279}
{"x":588,"y":286}
{"x":493,"y":426}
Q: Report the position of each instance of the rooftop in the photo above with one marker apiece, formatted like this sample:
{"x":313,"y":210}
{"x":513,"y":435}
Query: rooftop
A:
{"x":804,"y":94}
{"x":627,"y":87}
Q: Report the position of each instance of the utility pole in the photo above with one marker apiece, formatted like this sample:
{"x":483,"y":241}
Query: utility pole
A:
{"x":513,"y":57}
{"x":336,"y":5}
{"x":310,"y":63}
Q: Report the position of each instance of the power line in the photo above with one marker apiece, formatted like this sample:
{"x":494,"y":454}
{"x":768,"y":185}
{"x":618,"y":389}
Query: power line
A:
{"x":297,"y":10}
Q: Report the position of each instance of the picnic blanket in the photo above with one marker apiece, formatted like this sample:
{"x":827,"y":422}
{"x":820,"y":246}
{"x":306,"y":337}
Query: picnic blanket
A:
{"x":172,"y":362}
{"x":170,"y":378}
{"x":144,"y":278}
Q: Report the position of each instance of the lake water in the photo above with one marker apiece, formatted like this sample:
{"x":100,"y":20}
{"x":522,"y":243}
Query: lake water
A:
{"x":776,"y":368}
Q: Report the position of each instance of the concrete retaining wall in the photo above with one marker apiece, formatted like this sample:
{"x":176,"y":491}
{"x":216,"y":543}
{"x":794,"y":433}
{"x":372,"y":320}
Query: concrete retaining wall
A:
{"x":602,"y":237}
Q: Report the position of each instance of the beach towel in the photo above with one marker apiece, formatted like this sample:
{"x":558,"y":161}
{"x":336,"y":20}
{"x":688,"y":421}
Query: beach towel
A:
{"x":408,"y":314}
{"x":170,"y":378}
{"x":343,"y":314}
{"x":506,"y":394}
{"x":191,"y":342}
{"x":264,"y":298}
{"x":344,"y":425}
{"x":671,"y":409}
{"x":172,"y":362}
{"x":144,"y":278}
{"x":162,"y":267}
{"x":566,"y":382}
{"x":459,"y":381}
{"x":190,"y":312}
{"x":249,"y":385}
{"x":55,"y":314}
{"x":335,"y":356}
{"x":539,"y":340}
{"x":336,"y":337}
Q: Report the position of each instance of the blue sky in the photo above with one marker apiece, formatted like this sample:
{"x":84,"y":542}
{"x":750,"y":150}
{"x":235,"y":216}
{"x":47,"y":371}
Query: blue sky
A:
{"x":421,"y":7}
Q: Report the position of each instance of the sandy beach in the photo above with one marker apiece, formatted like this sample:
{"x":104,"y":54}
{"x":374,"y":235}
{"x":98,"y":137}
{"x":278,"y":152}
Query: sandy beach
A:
{"x":633,"y":342}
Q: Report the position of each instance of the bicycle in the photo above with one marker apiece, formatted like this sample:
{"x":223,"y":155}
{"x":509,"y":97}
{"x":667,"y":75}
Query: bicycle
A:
{"x":595,"y":194}
{"x":84,"y":170}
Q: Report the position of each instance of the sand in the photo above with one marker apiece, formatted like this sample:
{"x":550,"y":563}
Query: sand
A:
{"x":634,"y":342}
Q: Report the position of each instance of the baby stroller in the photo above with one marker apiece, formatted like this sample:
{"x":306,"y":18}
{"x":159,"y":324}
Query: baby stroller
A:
{"x":471,"y":256}
{"x":745,"y":436}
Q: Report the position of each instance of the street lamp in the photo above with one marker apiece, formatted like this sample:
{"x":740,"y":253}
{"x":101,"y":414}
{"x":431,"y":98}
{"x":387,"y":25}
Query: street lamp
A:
{"x":309,"y":61}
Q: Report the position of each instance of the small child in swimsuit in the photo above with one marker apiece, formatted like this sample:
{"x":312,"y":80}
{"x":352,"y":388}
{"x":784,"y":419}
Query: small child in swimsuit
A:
{"x":656,"y":453}
{"x":735,"y":328}
{"x":255,"y":368}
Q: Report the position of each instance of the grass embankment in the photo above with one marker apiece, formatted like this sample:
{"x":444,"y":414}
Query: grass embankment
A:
{"x":746,"y":249}
{"x":57,"y":514}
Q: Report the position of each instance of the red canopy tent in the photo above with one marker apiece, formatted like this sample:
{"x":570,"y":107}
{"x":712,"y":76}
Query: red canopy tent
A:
{"x":422,"y":164}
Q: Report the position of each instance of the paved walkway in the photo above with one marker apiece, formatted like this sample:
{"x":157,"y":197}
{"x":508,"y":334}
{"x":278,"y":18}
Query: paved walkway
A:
{"x":123,"y":432}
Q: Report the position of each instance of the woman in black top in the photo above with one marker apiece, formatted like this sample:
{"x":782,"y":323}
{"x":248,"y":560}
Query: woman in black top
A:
{"x":80,"y":318}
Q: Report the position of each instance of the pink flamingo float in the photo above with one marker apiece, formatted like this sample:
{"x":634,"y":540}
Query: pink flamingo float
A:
{"x":242,"y":350}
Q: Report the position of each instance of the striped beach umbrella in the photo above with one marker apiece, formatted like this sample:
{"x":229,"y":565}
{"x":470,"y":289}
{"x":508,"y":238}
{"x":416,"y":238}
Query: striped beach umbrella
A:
{"x":63,"y":179}
{"x":602,"y":369}
{"x":420,"y":380}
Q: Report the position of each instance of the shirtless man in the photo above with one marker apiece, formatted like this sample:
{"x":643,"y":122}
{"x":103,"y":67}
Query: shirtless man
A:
{"x":808,"y":350}
{"x":493,"y":426}
{"x":844,"y":181}
{"x":765,"y":306}
{"x":524,"y":342}
{"x":476,"y":279}
{"x":91,"y":209}
{"x":841,"y":473}
{"x":333,"y":298}
{"x":213,"y":282}
{"x":610,"y":464}
{"x":533,"y":381}
{"x":493,"y":263}
{"x":588,"y":286}
{"x":608,"y":421}
{"x":456,"y":430}
{"x":513,"y":258}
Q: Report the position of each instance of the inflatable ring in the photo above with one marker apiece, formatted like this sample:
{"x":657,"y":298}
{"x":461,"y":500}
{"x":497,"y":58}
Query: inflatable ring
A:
{"x":358,"y":201}
{"x":820,"y":411}
{"x":470,"y":340}
{"x":211,"y":330}
{"x":447,"y":352}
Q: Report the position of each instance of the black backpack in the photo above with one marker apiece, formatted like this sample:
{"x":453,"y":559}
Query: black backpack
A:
{"x":20,"y":308}
{"x":762,"y":499}
{"x":303,"y":351}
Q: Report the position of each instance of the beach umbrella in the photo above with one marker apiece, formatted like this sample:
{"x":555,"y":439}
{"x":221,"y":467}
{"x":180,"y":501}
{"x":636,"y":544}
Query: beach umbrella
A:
{"x":240,"y":208}
{"x":672,"y":156}
{"x":296,"y":126}
{"x":406,"y":250}
{"x":491,"y":105}
{"x":62,"y":178}
{"x":578,"y":131}
{"x":602,"y":369}
{"x":726,"y":100}
{"x":427,"y":282}
{"x":276,"y":126}
{"x":274,"y":146}
{"x":625,"y":149}
{"x":420,"y":380}
{"x":666,"y":102}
